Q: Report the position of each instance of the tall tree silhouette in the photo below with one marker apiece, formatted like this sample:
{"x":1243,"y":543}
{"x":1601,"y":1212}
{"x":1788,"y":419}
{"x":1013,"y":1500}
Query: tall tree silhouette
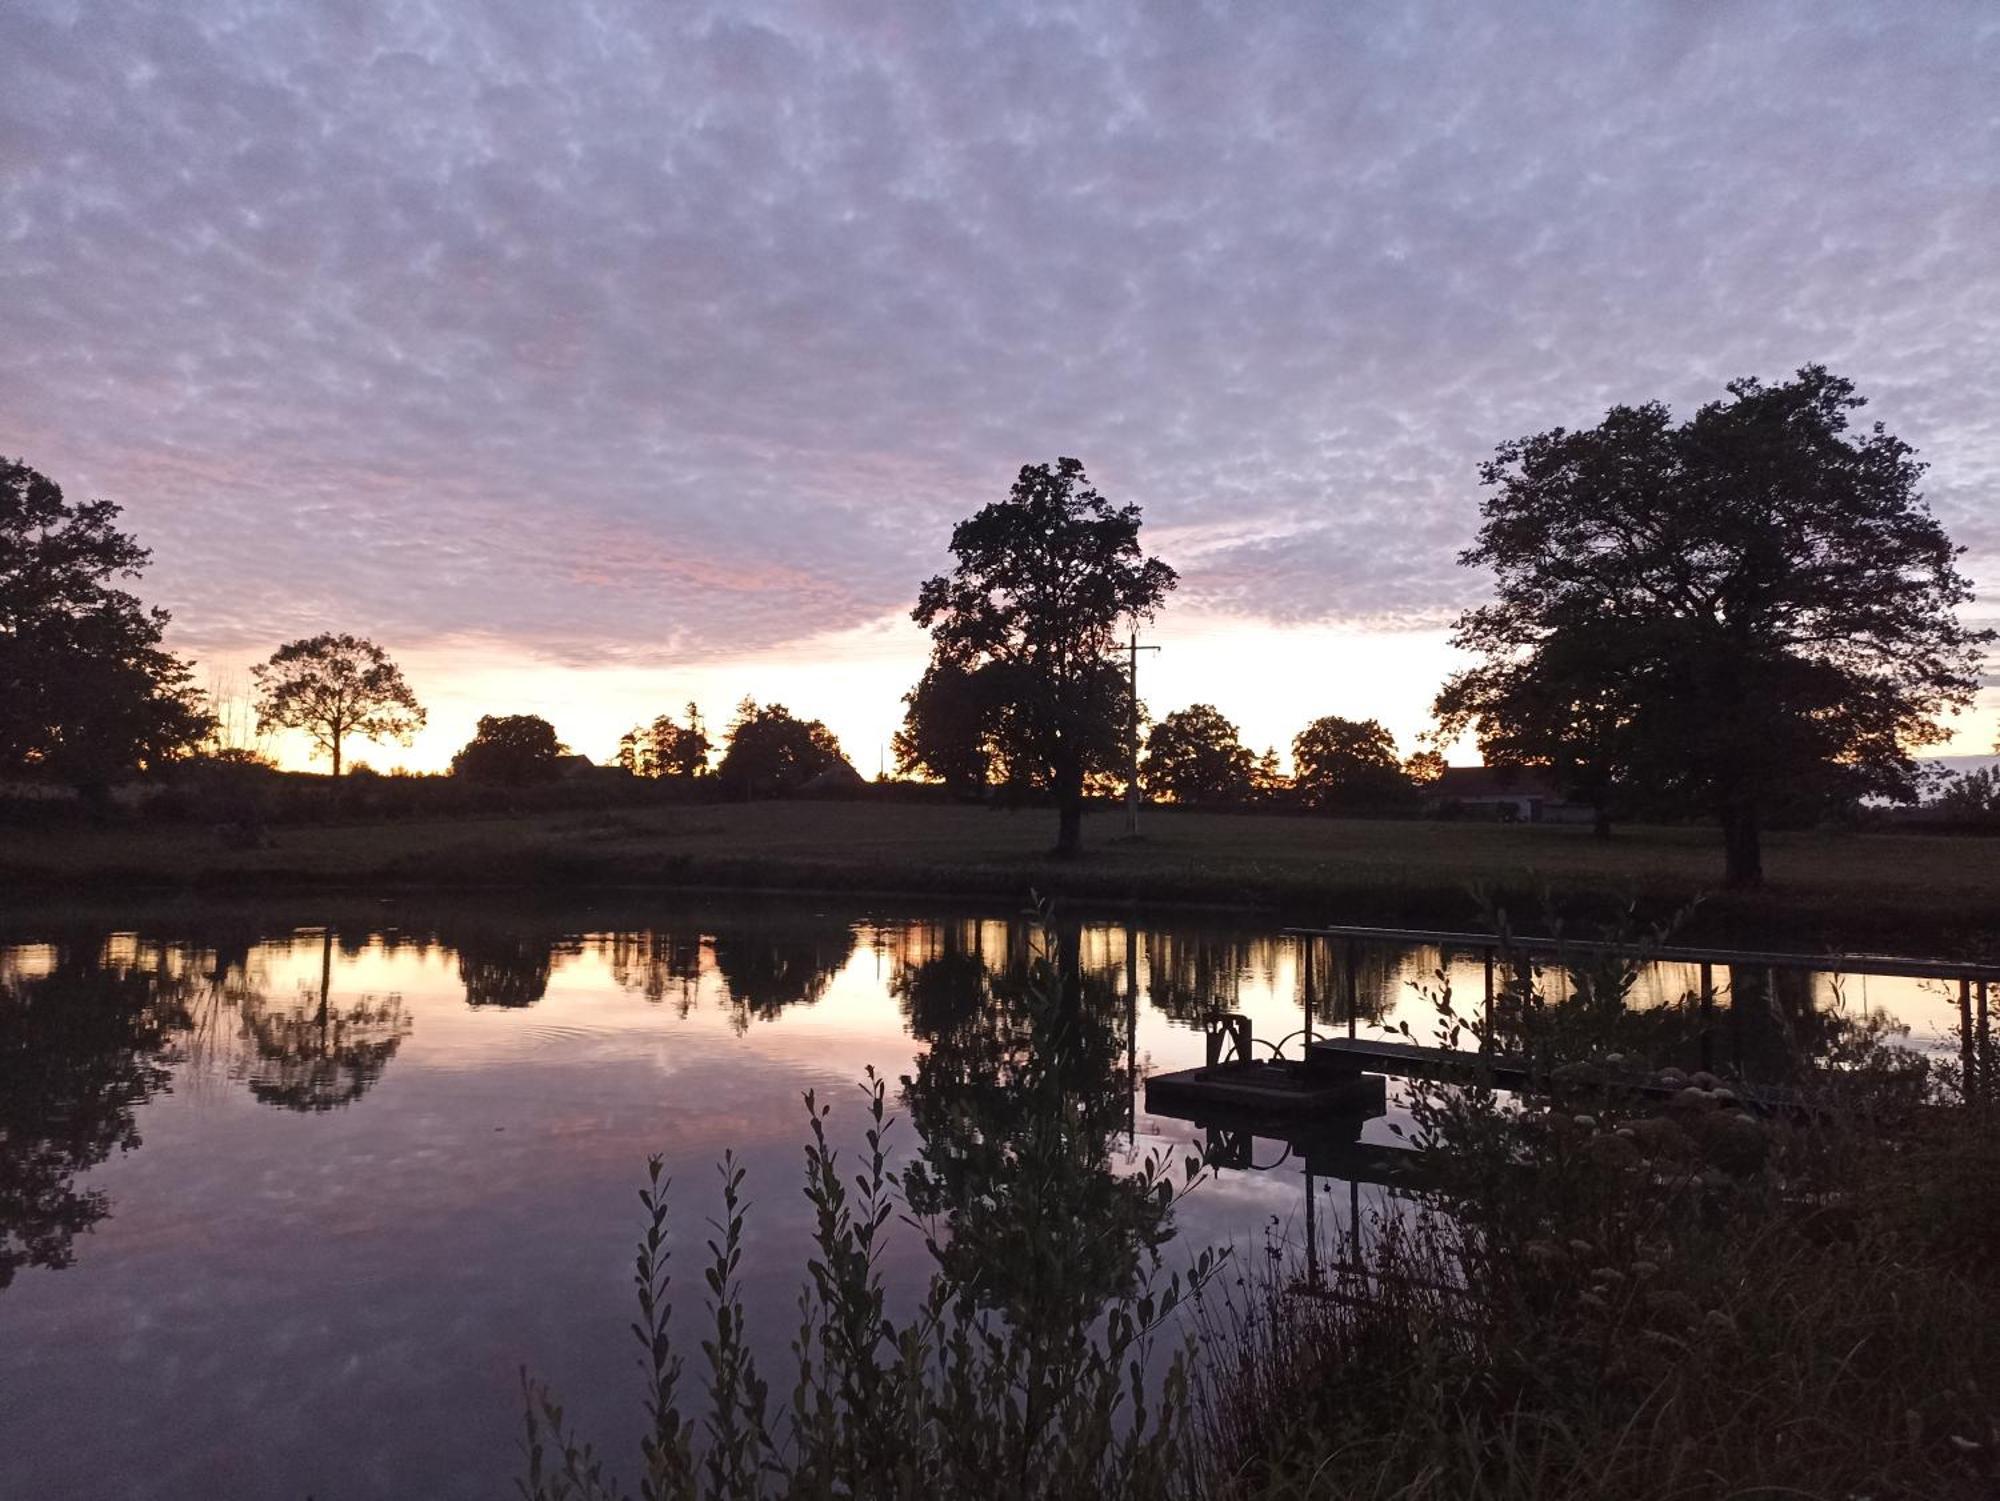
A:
{"x":333,"y":688}
{"x":666,"y":749}
{"x":1042,"y":581}
{"x":1750,"y":610}
{"x":86,"y":690}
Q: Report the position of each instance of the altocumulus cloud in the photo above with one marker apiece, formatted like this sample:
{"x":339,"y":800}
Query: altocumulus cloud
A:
{"x":653,"y":330}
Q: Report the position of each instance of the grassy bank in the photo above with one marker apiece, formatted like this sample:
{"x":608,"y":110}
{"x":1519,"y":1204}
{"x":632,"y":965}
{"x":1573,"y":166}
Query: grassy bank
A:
{"x":1609,"y":1296}
{"x":1884,"y":891}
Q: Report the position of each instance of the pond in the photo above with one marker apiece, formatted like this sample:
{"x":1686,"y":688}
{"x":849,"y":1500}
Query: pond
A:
{"x":289,"y":1198}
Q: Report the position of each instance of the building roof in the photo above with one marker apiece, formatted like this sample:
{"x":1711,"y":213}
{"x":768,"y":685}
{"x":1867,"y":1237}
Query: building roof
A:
{"x":1464,"y":782}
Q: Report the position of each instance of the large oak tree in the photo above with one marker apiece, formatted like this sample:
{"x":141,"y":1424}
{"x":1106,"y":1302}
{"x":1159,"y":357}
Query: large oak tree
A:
{"x":1349,"y":766}
{"x":1033,"y":606}
{"x":87,"y":692}
{"x":1747,"y":611}
{"x":770,"y":753}
{"x":1194,"y":755}
{"x":335,"y":688}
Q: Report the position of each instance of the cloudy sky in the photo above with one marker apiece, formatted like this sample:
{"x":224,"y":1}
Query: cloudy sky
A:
{"x":600,"y":354}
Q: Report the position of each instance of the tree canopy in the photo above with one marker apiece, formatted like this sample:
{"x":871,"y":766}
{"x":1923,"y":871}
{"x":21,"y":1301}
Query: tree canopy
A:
{"x":1193,"y":755}
{"x":769,"y":753}
{"x":334,"y":688}
{"x":1747,"y":613}
{"x":948,"y":729}
{"x":510,"y":750}
{"x":87,"y":692}
{"x":666,"y":749}
{"x":1348,"y":766}
{"x":1032,"y":608}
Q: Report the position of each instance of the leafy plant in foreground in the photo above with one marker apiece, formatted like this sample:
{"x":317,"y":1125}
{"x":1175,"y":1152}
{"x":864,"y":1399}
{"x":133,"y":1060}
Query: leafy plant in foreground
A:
{"x":969,"y":1395}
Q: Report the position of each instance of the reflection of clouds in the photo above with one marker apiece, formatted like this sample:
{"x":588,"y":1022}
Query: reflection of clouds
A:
{"x":584,"y":314}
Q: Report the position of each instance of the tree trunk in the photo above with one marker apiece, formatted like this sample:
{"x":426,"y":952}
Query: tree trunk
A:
{"x":1069,"y":812}
{"x":336,"y":757}
{"x":1742,"y":847}
{"x":1600,"y":824}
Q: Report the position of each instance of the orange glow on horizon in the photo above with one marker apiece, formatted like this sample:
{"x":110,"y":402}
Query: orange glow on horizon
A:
{"x":1268,"y":680}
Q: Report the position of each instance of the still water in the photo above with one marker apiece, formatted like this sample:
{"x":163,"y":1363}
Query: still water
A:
{"x":287,"y":1200}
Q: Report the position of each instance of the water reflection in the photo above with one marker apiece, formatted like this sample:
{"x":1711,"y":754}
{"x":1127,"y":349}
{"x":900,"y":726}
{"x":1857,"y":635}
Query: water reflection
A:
{"x":504,"y":965}
{"x":1018,"y":1099}
{"x":787,"y":962}
{"x":469,"y":1093}
{"x":85,"y":1040}
{"x":315,"y":1056}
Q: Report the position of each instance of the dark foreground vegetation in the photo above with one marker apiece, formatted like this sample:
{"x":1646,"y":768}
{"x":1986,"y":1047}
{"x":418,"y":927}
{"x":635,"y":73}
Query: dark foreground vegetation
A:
{"x":1889,"y":892}
{"x":1590,"y":1297}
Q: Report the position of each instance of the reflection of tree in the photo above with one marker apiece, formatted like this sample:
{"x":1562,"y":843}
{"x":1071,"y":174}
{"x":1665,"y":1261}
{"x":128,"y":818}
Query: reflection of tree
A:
{"x":772,"y":966}
{"x":1195,"y":977}
{"x":314,"y":1057}
{"x":656,"y":963}
{"x":1018,"y":1098}
{"x":509,"y":967}
{"x":82,"y":1046}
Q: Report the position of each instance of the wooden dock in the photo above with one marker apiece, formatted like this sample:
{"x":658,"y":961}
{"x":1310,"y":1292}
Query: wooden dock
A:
{"x":1362,"y":1057}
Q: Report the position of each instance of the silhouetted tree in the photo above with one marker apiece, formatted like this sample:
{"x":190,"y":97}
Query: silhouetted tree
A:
{"x":1567,"y":709}
{"x":510,"y":750}
{"x":1423,"y":767}
{"x":333,"y":687}
{"x":947,"y":732}
{"x":1973,"y":796}
{"x":1042,"y":581}
{"x":666,"y":749}
{"x":1749,"y":610}
{"x":1193,"y":755}
{"x":1348,"y":765}
{"x":86,"y":692}
{"x":770,"y":753}
{"x":1267,"y":783}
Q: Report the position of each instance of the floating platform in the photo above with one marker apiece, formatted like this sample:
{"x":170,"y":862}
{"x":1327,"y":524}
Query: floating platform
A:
{"x":1269,"y":1090}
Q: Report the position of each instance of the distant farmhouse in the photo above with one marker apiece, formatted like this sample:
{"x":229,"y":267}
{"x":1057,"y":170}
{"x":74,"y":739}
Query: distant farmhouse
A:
{"x":1509,"y":794}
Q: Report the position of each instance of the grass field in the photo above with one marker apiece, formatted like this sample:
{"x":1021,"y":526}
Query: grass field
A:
{"x":1883,"y":891}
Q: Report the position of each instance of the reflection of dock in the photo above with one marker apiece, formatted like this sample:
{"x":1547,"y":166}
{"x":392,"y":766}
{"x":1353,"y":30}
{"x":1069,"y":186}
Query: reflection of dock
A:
{"x":1318,"y":1122}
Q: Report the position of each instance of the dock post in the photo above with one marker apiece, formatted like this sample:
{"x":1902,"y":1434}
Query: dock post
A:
{"x":1487,"y":1010}
{"x":1967,"y":1057}
{"x":1985,"y":1043}
{"x":1306,"y":958}
{"x":1353,"y":986}
{"x":1707,"y":1016}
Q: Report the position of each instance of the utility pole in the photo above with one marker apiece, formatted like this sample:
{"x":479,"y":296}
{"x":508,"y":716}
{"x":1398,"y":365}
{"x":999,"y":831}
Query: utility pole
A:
{"x":1132,"y":650}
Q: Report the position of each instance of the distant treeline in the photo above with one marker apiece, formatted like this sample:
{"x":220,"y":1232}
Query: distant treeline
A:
{"x":1749,"y":617}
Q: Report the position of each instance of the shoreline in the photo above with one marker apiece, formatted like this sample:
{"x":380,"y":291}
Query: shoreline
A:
{"x":1909,"y":895}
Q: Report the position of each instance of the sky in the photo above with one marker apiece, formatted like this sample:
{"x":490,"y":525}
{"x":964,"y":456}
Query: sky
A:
{"x":601,"y":355}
